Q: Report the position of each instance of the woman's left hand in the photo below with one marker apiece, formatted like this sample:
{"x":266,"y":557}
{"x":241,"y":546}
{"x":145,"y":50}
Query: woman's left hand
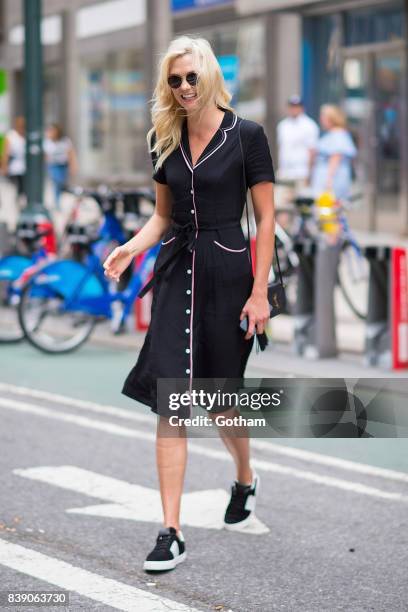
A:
{"x":256,"y":308}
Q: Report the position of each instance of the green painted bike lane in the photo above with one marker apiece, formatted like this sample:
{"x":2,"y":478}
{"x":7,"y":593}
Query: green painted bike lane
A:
{"x":96,"y":373}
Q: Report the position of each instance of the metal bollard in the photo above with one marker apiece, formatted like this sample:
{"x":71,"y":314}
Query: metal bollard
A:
{"x":378,"y":325}
{"x":314,"y":315}
{"x":304,"y":320}
{"x":327,"y":262}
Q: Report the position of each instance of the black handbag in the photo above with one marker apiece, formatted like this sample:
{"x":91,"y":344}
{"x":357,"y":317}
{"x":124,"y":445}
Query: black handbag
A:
{"x":276,"y":289}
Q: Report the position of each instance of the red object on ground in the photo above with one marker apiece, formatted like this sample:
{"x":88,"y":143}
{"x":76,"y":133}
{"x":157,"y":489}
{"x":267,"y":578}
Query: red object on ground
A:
{"x":399,"y":308}
{"x":49,"y":240}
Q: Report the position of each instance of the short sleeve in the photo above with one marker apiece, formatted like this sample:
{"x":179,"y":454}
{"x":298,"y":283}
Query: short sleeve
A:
{"x":339,"y":142}
{"x":160,"y":174}
{"x":258,"y":160}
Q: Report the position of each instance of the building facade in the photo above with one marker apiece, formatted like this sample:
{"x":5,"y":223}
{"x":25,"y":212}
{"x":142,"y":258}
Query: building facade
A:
{"x":99,"y":60}
{"x":354,"y":54}
{"x":96,"y":57}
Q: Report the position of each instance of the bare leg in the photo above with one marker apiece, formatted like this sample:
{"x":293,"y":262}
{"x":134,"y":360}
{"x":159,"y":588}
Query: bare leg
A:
{"x":171,"y":458}
{"x":236,"y":439}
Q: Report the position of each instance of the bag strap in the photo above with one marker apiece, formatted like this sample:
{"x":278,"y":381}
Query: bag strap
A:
{"x":246,"y":208}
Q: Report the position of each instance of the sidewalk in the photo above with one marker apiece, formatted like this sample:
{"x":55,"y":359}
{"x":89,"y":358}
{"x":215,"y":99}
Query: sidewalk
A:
{"x":277,"y":360}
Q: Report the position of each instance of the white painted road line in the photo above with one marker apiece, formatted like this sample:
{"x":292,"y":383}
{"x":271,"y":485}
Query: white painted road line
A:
{"x":280,"y":449}
{"x":203,"y":509}
{"x":56,"y":398}
{"x":267,"y":466}
{"x":337,"y":462}
{"x":66,"y":576}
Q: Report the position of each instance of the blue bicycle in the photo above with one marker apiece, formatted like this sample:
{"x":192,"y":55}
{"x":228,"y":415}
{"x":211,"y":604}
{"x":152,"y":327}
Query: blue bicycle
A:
{"x":30,"y":252}
{"x":62,"y":303}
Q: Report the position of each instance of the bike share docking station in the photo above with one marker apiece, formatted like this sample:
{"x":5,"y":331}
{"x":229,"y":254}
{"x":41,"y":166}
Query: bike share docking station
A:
{"x":386,"y":338}
{"x":386,"y":325}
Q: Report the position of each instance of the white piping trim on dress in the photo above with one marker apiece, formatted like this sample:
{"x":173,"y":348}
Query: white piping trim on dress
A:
{"x":228,"y":249}
{"x":224,"y":130}
{"x":171,"y":240}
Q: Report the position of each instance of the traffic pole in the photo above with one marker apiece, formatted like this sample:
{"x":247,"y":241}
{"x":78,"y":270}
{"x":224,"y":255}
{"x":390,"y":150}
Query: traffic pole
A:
{"x":33,"y":88}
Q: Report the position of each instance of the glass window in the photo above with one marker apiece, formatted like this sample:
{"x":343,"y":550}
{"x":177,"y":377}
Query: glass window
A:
{"x":240,"y":49}
{"x":371,"y":26}
{"x":52,"y":86}
{"x":322,"y":60}
{"x":112,"y":112}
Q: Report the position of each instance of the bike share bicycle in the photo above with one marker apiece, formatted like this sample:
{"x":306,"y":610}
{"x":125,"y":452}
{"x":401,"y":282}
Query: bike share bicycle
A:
{"x":61,"y":304}
{"x":34,"y":244}
{"x":305,"y":221}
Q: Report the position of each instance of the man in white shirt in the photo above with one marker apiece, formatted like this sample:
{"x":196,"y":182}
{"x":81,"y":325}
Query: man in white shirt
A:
{"x":297,"y":138}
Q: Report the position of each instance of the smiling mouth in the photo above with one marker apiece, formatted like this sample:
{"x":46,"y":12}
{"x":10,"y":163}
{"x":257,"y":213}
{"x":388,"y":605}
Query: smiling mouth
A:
{"x":189,"y":96}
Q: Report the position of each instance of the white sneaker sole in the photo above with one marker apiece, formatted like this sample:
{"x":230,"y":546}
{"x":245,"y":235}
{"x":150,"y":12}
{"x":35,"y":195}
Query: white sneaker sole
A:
{"x":244,"y":522}
{"x":164,"y":565}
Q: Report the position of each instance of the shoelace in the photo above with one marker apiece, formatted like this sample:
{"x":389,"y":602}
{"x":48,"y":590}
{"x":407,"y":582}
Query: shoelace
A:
{"x":163,"y":541}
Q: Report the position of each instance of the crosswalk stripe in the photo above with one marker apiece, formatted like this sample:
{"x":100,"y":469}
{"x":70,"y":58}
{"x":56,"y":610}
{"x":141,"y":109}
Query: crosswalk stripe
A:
{"x":112,"y":428}
{"x":88,"y":584}
{"x":279,"y":449}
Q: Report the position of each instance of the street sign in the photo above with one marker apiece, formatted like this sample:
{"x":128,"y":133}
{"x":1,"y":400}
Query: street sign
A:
{"x":185,"y":5}
{"x":129,"y":501}
{"x":230,"y":69}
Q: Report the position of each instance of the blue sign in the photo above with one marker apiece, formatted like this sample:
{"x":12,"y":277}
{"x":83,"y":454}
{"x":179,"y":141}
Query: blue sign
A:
{"x":230,"y":69}
{"x":184,"y":5}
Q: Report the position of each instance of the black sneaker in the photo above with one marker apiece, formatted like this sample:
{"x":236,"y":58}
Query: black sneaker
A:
{"x":242,"y":504}
{"x":168,"y":552}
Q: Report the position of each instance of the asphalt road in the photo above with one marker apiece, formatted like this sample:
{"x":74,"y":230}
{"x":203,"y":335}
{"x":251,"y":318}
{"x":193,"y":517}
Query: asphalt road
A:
{"x":79,"y":505}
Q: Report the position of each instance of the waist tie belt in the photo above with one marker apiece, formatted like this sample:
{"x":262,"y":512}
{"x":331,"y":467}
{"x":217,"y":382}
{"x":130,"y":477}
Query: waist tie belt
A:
{"x":185,"y":236}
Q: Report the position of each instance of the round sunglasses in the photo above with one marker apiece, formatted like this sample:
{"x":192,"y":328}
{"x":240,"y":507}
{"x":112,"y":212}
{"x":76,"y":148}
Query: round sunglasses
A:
{"x":175,"y":80}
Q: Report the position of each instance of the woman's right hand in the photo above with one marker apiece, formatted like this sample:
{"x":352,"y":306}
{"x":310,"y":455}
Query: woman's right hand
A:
{"x":117,"y":262}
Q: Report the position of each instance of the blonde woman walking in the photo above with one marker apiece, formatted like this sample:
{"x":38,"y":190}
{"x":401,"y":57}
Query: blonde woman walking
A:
{"x":203,"y":284}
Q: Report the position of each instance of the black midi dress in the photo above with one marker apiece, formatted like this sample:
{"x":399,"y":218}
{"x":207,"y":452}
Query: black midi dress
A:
{"x":202,"y":275}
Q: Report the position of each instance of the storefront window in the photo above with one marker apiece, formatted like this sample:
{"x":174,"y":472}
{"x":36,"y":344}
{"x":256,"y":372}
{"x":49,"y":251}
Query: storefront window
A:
{"x":240,"y":49}
{"x":112,"y":110}
{"x":52,"y":94}
{"x":322,"y":80}
{"x":368,"y":26}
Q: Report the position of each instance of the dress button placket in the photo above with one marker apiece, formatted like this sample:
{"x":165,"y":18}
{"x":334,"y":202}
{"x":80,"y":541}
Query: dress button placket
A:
{"x":190,"y":292}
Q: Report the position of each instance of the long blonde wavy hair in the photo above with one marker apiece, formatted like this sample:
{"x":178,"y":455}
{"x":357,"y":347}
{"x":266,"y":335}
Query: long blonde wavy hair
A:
{"x":167,"y":114}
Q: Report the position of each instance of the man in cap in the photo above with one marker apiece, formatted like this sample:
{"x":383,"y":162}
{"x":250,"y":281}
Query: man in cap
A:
{"x":297,"y":137}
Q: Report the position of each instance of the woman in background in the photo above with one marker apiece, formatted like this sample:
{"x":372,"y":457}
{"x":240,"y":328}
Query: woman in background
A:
{"x":335,"y":151}
{"x":61,"y":159}
{"x":13,"y":163}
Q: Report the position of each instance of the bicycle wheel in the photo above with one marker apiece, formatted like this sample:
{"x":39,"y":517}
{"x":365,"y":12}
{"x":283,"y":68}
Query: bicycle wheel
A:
{"x":353,"y":274}
{"x":11,"y":268}
{"x":60,"y":305}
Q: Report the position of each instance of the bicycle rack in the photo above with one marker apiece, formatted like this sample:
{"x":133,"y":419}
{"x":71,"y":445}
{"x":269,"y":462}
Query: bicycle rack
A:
{"x":386,"y":341}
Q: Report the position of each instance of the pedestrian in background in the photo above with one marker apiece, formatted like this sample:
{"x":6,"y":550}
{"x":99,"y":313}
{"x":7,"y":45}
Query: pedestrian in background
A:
{"x":297,"y":137}
{"x":13,"y":163}
{"x":203,"y":278}
{"x":61,"y":160}
{"x":333,"y":158}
